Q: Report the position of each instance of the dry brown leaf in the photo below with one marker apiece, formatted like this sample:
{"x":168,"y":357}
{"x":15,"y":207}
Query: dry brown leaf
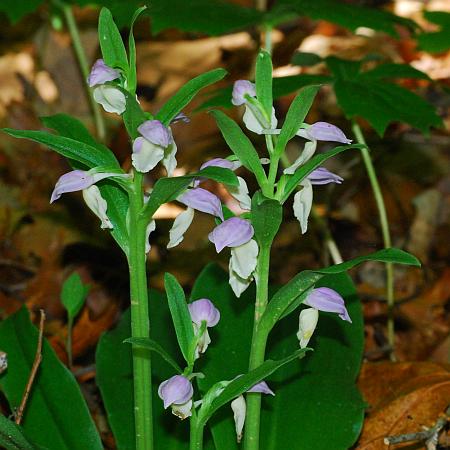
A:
{"x":403,"y":398}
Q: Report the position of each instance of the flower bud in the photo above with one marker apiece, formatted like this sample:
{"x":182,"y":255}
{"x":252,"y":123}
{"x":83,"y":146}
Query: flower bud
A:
{"x":240,"y":89}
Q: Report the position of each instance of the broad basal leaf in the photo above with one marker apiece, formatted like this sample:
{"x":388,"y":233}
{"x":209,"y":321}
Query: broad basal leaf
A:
{"x":12,"y":436}
{"x":48,"y":421}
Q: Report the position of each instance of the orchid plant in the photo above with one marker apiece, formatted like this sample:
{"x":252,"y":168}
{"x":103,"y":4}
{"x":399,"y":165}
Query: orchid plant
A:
{"x":126,"y":208}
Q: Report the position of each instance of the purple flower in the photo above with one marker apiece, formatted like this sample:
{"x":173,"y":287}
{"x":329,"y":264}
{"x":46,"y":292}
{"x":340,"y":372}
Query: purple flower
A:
{"x":177,"y":390}
{"x":204,"y":310}
{"x":202,"y":200}
{"x":240,"y":89}
{"x":76,"y":180}
{"x":324,"y":131}
{"x":180,"y":117}
{"x":101,"y":73}
{"x":261,"y":388}
{"x":218,"y":162}
{"x":231,"y":233}
{"x":324,"y":176}
{"x":328,"y":300}
{"x":155,"y":132}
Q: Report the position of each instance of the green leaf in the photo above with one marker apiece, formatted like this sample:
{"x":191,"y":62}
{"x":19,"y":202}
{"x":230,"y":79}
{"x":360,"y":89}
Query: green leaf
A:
{"x":266,"y":216}
{"x":263,"y":79}
{"x":168,"y":189}
{"x":384,"y":71}
{"x":72,"y":149}
{"x":133,"y":115}
{"x":117,"y":199}
{"x":245,"y":382}
{"x":70,"y":127}
{"x":240,"y":145}
{"x":305,"y":280}
{"x":180,"y":316}
{"x":184,"y":95}
{"x":115,"y":380}
{"x":152,"y":345}
{"x":111,"y":44}
{"x":381,"y":102}
{"x":295,"y":116}
{"x":438,"y":41}
{"x":12,"y":436}
{"x":343,"y":69}
{"x":305,"y":59}
{"x":321,"y":384}
{"x":47,"y":421}
{"x":16,"y":10}
{"x":350,"y":16}
{"x":211,"y":17}
{"x":73,"y":294}
{"x":303,"y":171}
{"x":132,"y":80}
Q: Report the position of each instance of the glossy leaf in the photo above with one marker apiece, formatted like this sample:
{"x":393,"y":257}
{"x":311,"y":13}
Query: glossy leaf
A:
{"x":299,"y":397}
{"x":212,"y":17}
{"x":242,"y":384}
{"x":184,"y":95}
{"x":315,"y":162}
{"x":240,"y":145}
{"x":323,"y":384}
{"x":12,"y":436}
{"x":47,"y":421}
{"x":263,"y":83}
{"x":111,"y":44}
{"x":73,"y":294}
{"x":180,"y":316}
{"x":295,"y":116}
{"x":305,"y":280}
{"x":152,"y":345}
{"x":266,"y":215}
{"x":72,"y":149}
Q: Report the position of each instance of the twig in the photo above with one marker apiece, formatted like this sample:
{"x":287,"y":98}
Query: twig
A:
{"x":34,"y":369}
{"x":429,"y":436}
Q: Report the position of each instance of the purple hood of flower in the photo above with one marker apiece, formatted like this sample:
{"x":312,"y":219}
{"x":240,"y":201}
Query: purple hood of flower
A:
{"x":176,"y":390}
{"x":240,"y":89}
{"x":204,"y":310}
{"x":324,"y":176}
{"x":231,"y":233}
{"x":327,"y":300}
{"x":155,"y":132}
{"x":101,"y":73}
{"x":202,"y":200}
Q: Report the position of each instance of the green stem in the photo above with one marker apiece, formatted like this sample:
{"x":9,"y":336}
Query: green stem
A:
{"x":69,"y":342}
{"x":140,"y":320}
{"x":258,"y":348}
{"x":84,"y":66}
{"x":196,"y":433}
{"x":384,"y":230}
